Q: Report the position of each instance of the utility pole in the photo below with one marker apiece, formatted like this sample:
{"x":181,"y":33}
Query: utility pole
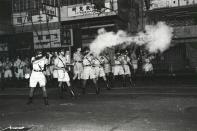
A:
{"x":59,"y":20}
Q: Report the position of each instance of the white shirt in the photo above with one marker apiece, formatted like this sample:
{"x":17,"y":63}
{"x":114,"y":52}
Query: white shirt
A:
{"x":38,"y":64}
{"x":60,"y":61}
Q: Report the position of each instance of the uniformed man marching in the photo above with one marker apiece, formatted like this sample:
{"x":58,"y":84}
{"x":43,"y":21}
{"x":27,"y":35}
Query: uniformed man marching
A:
{"x":134,"y":63}
{"x":98,"y":66}
{"x":62,"y":72}
{"x":78,"y":66}
{"x":118,"y":69}
{"x":107,"y":67}
{"x":38,"y":77}
{"x":88,"y":71}
{"x":125,"y":61}
{"x":148,"y":67}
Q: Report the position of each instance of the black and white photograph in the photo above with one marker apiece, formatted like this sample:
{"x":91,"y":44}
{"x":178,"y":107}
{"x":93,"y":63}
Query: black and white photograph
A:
{"x":98,"y":65}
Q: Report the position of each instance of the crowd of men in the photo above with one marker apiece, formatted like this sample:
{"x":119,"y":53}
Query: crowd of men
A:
{"x":86,"y":65}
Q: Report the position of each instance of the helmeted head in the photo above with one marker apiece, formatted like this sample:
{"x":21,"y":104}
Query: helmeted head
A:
{"x":86,"y":51}
{"x":62,"y":52}
{"x":117,"y":54}
{"x":78,"y":49}
{"x":147,"y":60}
{"x":39,"y":53}
{"x":101,"y":31}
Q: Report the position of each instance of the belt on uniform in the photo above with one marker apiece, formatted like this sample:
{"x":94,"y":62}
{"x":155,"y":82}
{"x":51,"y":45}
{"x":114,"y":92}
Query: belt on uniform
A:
{"x":37,"y":70}
{"x":96,"y":66}
{"x":86,"y":65}
{"x":79,"y":61}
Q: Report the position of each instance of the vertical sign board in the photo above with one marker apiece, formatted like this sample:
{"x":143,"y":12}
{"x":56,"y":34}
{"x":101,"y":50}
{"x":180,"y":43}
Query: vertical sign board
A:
{"x":67,"y":37}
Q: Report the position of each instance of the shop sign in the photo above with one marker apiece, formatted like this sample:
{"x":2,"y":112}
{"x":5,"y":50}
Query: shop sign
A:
{"x":47,"y":39}
{"x":49,"y":10}
{"x":81,"y":10}
{"x":185,"y":32}
{"x":154,"y":4}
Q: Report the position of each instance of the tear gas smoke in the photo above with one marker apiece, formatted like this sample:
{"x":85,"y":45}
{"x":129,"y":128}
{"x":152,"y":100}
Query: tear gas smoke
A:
{"x":155,"y":38}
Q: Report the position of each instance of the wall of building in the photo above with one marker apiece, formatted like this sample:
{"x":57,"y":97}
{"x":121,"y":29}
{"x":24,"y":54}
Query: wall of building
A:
{"x":5,"y":17}
{"x":87,"y":10}
{"x":179,"y":14}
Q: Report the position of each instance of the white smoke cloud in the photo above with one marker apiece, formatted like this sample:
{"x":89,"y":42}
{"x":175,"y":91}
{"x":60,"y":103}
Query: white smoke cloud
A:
{"x":155,"y":38}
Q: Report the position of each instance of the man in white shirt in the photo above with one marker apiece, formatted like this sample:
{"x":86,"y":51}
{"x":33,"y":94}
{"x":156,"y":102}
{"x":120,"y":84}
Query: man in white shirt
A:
{"x":62,"y":71}
{"x":38,"y":77}
{"x":78,"y":66}
{"x":88,"y":71}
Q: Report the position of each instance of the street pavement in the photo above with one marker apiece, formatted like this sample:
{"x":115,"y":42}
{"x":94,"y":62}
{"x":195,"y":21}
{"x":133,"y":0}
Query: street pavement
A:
{"x":149,"y":106}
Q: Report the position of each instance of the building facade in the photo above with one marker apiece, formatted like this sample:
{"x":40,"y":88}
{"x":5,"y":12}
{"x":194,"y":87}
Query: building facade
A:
{"x":72,"y":23}
{"x":182,"y":16}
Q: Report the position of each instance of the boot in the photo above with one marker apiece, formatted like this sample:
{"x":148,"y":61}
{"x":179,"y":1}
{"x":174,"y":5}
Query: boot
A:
{"x":46,"y":101}
{"x":72,"y":92}
{"x":131,"y":83}
{"x":107,"y":85}
{"x":61,"y":92}
{"x":97,"y":90}
{"x":30,"y":101}
{"x":83,"y":91}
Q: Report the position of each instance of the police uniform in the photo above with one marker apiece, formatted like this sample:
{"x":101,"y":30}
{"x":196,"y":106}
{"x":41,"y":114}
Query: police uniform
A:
{"x":125,"y":60}
{"x":147,"y":67}
{"x":48,"y":71}
{"x":88,"y":72}
{"x":19,"y":65}
{"x":78,"y":66}
{"x":107,"y":66}
{"x":134,"y":64}
{"x":37,"y":75}
{"x":98,"y":68}
{"x":53,"y":69}
{"x":118,"y":68}
{"x":8,"y":73}
{"x":62,"y":75}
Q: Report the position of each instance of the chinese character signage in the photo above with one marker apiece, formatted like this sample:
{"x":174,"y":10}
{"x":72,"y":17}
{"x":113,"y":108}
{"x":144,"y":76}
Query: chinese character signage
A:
{"x":47,"y":39}
{"x":81,"y":10}
{"x":185,"y":32}
{"x":49,"y":10}
{"x":154,"y":4}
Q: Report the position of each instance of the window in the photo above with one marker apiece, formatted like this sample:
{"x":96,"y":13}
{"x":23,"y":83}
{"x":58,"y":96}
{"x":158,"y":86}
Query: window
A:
{"x":29,"y":18}
{"x":19,"y":19}
{"x":40,"y":37}
{"x":56,"y":36}
{"x":48,"y":36}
